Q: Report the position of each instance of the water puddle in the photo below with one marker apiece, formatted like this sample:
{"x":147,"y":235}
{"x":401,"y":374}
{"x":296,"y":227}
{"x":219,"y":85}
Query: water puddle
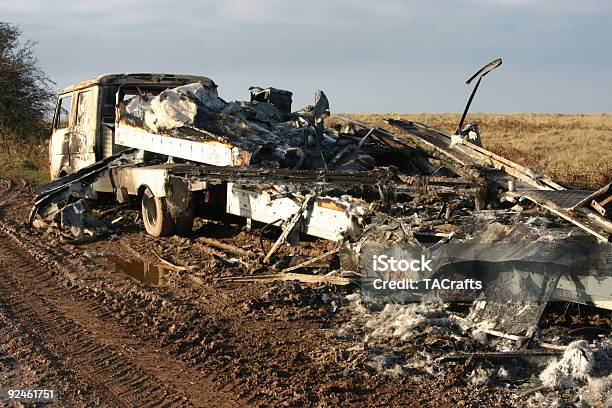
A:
{"x":144,"y":272}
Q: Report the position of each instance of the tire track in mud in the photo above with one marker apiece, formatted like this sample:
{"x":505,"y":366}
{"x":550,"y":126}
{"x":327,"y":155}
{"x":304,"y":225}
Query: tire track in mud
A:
{"x":120,"y":369}
{"x":27,"y":362}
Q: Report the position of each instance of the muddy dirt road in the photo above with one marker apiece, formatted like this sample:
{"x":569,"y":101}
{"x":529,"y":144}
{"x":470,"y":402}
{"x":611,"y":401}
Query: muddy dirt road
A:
{"x":103,"y":325}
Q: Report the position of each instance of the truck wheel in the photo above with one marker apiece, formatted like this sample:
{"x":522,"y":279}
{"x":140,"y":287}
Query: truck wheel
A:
{"x":157,"y":219}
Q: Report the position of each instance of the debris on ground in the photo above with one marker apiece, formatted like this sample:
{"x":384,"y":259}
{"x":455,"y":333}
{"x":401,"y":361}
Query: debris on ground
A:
{"x":580,"y":364}
{"x":347,"y":193}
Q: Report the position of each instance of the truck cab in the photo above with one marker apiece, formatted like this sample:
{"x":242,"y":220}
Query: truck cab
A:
{"x":84,"y":120}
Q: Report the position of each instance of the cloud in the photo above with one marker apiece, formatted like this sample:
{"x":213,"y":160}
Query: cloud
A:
{"x":391,"y":55}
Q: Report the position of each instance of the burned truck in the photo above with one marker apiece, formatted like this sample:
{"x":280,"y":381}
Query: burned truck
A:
{"x":172,"y":143}
{"x":180,"y":147}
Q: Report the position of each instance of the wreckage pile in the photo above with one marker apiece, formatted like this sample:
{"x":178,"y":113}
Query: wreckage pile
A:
{"x":402,"y":339}
{"x":269,"y":133}
{"x":419,"y":190}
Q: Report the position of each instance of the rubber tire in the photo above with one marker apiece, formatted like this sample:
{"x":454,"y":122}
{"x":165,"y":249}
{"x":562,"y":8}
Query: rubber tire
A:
{"x":157,"y":219}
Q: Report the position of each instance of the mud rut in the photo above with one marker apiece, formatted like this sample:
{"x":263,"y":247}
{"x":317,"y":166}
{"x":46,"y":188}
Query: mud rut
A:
{"x":100,"y":363}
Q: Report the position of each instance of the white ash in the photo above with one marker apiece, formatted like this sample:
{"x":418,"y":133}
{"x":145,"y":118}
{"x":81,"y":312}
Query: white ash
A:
{"x":582,"y":366}
{"x":480,"y":376}
{"x":373,"y":332}
{"x":597,"y":393}
{"x":356,"y":304}
{"x":402,"y":321}
{"x":572,"y":369}
{"x":539,"y":400}
{"x":503,"y":373}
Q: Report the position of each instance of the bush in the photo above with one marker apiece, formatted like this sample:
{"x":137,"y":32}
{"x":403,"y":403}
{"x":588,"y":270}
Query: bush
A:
{"x":25,"y":90}
{"x":26,"y":100}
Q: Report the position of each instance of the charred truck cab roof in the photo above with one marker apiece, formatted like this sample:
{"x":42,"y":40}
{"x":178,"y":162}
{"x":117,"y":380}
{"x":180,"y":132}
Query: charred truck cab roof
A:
{"x":140,"y":78}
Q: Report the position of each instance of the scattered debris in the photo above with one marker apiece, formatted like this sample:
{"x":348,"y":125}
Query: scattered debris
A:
{"x":233,"y":249}
{"x":577,"y":365}
{"x":311,"y":261}
{"x":187,"y":152}
{"x":288,"y":276}
{"x":173,"y":266}
{"x":289,"y":227}
{"x":596,"y":393}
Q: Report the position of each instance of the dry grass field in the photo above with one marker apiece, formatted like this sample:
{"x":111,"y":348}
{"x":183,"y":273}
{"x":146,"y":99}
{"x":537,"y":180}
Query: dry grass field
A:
{"x":574,"y":149}
{"x":25,"y":155}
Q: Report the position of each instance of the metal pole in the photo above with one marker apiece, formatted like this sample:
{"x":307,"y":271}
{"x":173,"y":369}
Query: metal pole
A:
{"x":467,"y":107}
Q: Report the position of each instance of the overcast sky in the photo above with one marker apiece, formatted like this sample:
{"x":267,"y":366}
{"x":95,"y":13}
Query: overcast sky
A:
{"x":368,"y":56}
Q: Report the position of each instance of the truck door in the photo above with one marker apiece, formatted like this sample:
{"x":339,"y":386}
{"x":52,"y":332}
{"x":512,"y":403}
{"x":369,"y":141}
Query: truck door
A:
{"x":83,"y":135}
{"x":60,"y":138}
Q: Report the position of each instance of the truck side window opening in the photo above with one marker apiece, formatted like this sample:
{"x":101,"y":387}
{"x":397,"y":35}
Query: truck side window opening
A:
{"x":108,"y":108}
{"x":63,"y":114}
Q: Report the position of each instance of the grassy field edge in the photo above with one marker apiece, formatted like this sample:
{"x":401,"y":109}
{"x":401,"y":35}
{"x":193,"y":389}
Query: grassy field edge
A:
{"x":574,"y":149}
